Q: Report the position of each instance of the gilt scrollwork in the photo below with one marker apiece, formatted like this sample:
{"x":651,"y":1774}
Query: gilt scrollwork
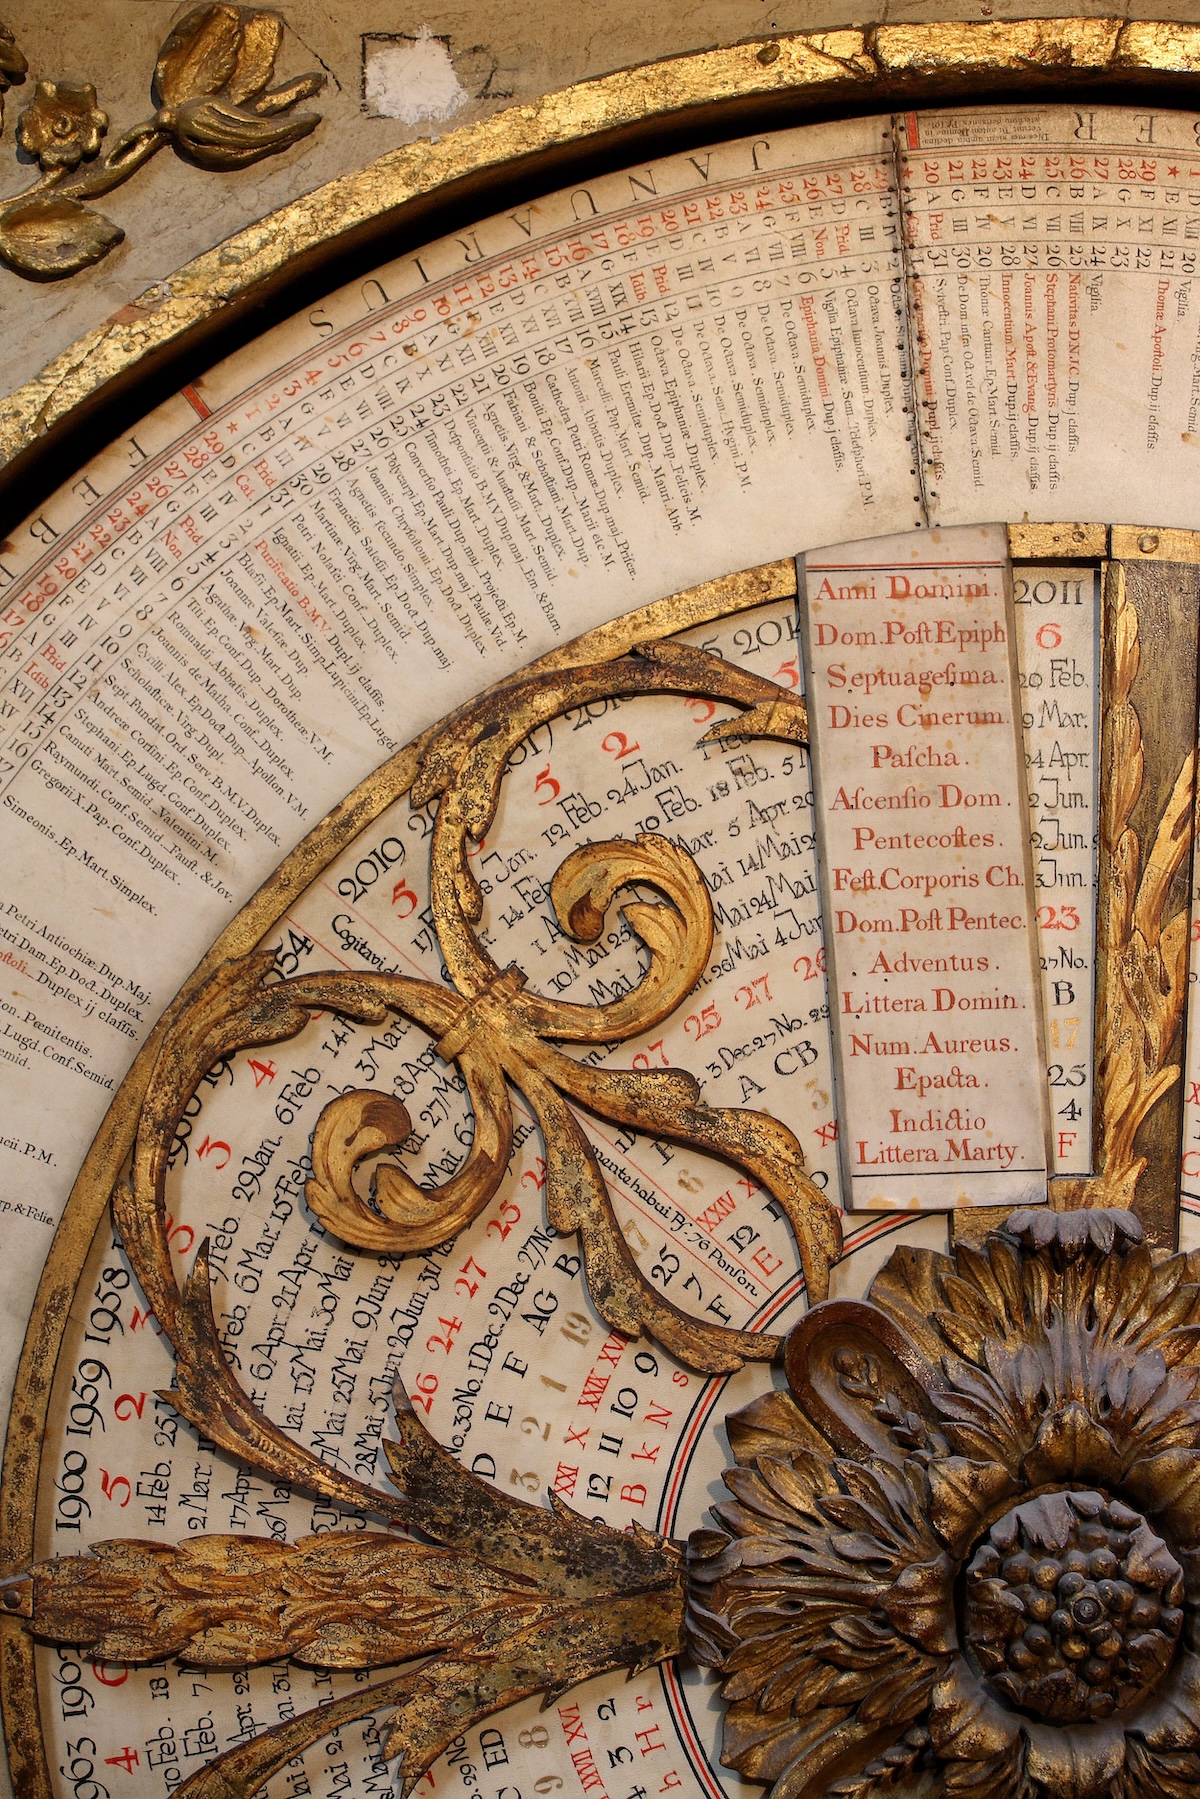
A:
{"x":496,"y":1031}
{"x":213,"y":105}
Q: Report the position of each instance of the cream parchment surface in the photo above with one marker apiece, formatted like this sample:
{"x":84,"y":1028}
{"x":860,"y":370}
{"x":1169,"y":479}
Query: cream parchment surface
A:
{"x":403,"y":493}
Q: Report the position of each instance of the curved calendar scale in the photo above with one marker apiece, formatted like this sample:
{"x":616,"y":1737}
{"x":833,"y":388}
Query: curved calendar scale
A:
{"x":484,"y":1189}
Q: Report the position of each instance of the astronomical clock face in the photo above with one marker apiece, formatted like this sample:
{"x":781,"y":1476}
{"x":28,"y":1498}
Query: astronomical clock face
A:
{"x":612,"y":798}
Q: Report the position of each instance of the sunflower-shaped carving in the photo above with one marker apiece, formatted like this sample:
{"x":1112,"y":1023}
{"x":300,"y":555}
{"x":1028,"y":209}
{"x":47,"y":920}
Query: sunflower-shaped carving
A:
{"x":964,"y":1558}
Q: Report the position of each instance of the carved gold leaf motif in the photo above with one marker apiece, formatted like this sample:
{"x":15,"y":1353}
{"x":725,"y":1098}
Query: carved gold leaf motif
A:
{"x":511,"y":1598}
{"x":957,"y":1563}
{"x":1142,"y":999}
{"x":213,"y":106}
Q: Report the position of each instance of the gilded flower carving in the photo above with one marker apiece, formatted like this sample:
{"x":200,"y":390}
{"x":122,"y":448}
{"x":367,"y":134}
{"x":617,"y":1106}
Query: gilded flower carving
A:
{"x":965,"y":1557}
{"x":62,"y":124}
{"x":213,"y":104}
{"x":211,"y":86}
{"x":13,"y":65}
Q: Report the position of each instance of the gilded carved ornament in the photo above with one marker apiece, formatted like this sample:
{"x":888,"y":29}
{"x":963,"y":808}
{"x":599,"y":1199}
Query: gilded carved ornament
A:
{"x":214,"y":106}
{"x":1142,"y":1005}
{"x":962,"y":1556}
{"x":962,"y":1553}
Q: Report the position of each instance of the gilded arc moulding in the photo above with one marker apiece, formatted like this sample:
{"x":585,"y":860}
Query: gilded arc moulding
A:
{"x":953,"y":1454}
{"x":854,"y":69}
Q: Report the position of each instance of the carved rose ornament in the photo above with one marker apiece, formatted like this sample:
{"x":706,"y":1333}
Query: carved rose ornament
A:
{"x":214,"y":106}
{"x":962,"y":1558}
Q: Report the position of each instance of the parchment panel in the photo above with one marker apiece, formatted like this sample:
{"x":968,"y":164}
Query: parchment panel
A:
{"x":388,"y":502}
{"x":1052,"y":262}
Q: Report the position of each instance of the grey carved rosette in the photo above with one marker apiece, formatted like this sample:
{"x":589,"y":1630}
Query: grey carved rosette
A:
{"x":961,"y":1557}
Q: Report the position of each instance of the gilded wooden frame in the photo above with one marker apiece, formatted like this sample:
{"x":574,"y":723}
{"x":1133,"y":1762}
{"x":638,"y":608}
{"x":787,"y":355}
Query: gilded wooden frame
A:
{"x":407,"y":193}
{"x":421,"y":189}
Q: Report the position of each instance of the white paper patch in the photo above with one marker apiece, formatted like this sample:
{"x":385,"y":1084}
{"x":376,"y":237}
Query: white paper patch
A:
{"x":412,"y":79}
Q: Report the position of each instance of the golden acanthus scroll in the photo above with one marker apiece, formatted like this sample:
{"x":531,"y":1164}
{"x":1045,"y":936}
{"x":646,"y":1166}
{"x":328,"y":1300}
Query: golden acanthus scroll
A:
{"x":946,"y":1569}
{"x":494,"y":1030}
{"x":1037,"y":1389}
